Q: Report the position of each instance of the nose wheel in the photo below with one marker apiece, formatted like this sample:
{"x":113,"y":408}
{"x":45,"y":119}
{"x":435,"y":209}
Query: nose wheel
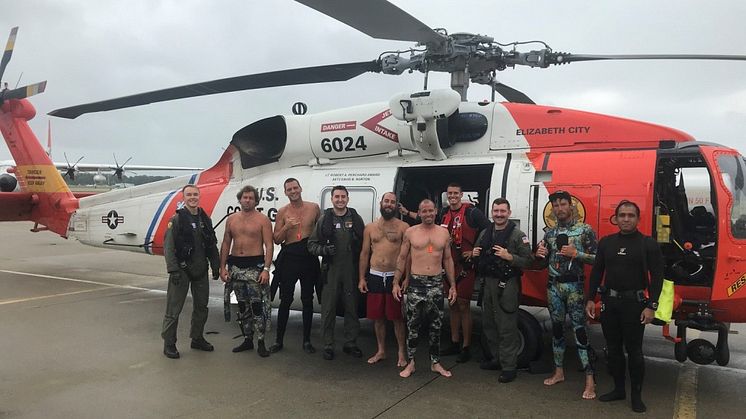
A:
{"x":702,"y":351}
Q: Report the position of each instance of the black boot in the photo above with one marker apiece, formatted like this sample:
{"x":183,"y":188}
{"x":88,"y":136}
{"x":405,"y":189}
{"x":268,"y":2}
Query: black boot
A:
{"x":170,"y":351}
{"x":454,"y":349}
{"x":617,"y":394}
{"x":261,"y":349}
{"x":247,"y":345}
{"x":277,"y":347}
{"x":637,"y":403}
{"x":464,"y":355}
{"x":202,"y":345}
{"x":308,"y":348}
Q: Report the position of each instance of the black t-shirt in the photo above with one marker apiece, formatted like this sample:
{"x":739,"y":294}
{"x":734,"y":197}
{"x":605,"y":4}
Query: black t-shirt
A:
{"x":620,"y":262}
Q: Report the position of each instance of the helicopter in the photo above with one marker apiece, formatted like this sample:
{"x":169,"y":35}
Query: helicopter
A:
{"x":691,"y":193}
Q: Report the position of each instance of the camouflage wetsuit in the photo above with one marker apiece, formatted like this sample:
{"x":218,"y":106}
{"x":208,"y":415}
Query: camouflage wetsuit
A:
{"x":565,"y":293}
{"x":253,"y":297}
{"x":424,"y":303}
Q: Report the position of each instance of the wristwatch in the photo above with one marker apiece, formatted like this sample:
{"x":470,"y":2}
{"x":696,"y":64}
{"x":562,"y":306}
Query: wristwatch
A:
{"x":653,"y":305}
{"x":266,"y":269}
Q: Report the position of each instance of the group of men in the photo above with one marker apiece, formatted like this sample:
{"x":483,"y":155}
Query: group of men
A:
{"x":442,"y":254}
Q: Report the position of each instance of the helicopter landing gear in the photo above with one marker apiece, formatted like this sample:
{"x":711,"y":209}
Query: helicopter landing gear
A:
{"x":702,"y":351}
{"x":679,"y":348}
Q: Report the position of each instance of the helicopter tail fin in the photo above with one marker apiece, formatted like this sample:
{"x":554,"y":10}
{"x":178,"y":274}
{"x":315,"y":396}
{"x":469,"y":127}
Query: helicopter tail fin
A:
{"x":45,"y":197}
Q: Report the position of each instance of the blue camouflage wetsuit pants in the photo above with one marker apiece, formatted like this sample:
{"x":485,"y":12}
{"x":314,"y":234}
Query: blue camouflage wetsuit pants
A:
{"x":568,"y":299}
{"x":253,"y":300}
{"x":424,"y":303}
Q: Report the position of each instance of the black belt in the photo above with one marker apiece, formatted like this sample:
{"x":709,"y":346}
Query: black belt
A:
{"x":564,"y":279}
{"x":637,"y":295}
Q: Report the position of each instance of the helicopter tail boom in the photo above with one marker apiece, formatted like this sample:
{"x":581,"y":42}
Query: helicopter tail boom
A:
{"x":44,"y":197}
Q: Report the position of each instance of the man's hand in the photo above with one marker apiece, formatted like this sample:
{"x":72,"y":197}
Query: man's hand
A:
{"x":502,"y":253}
{"x":452,"y":295}
{"x":223,"y":274}
{"x":590,"y":309}
{"x":568,"y":251}
{"x":467,"y":255}
{"x":647,"y":316}
{"x":264,"y":277}
{"x":291,"y":222}
{"x":476,"y":252}
{"x":396,"y":291}
{"x":403,"y":210}
{"x":362,"y":285}
{"x":330,"y":250}
{"x":541,"y":250}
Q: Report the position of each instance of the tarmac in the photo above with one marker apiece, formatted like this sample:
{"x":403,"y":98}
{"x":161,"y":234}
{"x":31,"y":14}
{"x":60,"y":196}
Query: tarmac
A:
{"x":80,"y":327}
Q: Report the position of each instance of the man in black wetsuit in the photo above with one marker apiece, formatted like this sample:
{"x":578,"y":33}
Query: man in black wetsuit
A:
{"x":294,"y":223}
{"x":630,"y":263}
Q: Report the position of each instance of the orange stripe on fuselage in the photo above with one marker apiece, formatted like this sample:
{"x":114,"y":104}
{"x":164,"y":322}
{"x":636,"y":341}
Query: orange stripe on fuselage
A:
{"x":211,"y":182}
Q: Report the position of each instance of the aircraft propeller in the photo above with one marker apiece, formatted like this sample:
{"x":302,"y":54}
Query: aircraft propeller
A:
{"x":119,"y":169}
{"x":71,"y":169}
{"x":20,"y":92}
{"x":467,"y":57}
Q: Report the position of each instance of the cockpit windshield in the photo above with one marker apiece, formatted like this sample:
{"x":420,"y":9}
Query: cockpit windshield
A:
{"x":733,"y":171}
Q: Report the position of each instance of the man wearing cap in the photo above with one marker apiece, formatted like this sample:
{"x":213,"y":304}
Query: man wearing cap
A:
{"x":563,"y":251}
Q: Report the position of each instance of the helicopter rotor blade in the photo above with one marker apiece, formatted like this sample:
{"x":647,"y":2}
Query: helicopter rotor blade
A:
{"x":25,"y":91}
{"x":8,"y":51}
{"x":569,"y":58}
{"x":304,"y":75}
{"x":511,"y":94}
{"x":377,"y":18}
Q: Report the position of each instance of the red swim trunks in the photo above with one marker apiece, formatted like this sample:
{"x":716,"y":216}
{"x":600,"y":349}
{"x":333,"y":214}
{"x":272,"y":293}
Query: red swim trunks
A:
{"x":380,"y":302}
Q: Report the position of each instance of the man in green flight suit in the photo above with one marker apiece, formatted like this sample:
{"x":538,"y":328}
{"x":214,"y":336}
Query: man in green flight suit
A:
{"x":189,"y":244}
{"x":338,"y":238}
{"x":501,"y":252}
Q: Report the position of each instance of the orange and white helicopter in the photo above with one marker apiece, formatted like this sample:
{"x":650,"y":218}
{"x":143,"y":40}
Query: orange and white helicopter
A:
{"x":692,"y":194}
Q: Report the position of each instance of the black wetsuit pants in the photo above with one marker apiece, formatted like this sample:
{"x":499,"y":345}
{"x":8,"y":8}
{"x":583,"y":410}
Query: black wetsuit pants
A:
{"x":295,"y":267}
{"x":620,"y":322}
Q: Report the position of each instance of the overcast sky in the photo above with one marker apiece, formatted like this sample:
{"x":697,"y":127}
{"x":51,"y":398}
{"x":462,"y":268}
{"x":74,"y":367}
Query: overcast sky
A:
{"x":94,"y":50}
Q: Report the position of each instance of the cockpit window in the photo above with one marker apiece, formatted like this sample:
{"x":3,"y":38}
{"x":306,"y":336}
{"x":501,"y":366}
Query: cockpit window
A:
{"x":732,"y":171}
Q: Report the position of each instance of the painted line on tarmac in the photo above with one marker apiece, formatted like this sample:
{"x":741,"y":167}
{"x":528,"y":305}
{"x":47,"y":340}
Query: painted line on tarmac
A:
{"x":685,"y":402}
{"x":83,"y":281}
{"x":23,"y":300}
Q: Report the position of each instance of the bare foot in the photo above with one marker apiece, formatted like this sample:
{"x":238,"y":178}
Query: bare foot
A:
{"x":554,"y":379}
{"x":440,"y":370}
{"x":406,"y":372}
{"x":379,"y":356}
{"x":402,"y":361}
{"x":589,"y":393}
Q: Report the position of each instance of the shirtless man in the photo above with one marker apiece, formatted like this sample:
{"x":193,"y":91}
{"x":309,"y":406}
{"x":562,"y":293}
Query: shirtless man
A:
{"x":247,"y":251}
{"x":381,"y":244}
{"x":429,"y":245}
{"x":294,"y":223}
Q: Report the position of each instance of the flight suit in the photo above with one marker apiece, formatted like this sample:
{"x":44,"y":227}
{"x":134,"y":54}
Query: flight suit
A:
{"x":190,"y":274}
{"x":339,"y":272}
{"x":502,"y":296}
